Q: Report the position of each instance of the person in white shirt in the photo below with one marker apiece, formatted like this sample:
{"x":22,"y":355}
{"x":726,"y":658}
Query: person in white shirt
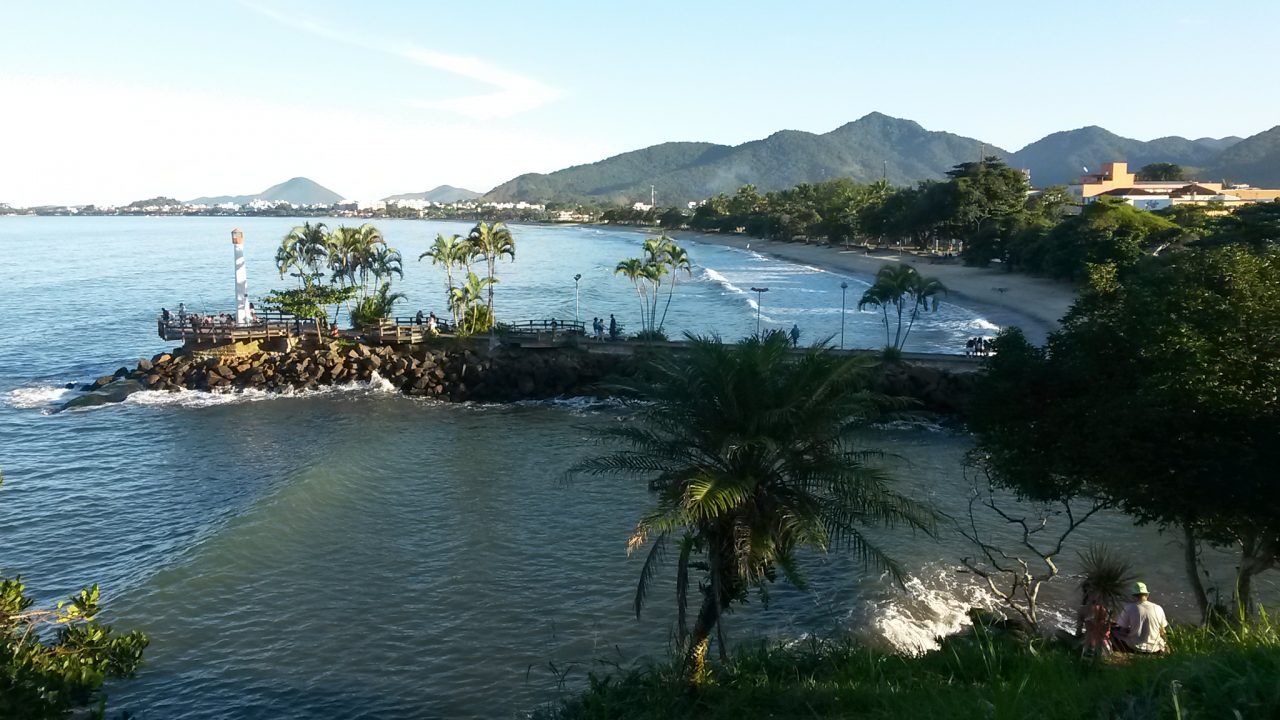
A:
{"x":1141,"y":626}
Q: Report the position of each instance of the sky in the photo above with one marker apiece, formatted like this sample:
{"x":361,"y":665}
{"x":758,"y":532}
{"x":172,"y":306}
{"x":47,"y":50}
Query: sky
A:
{"x":113,"y":102}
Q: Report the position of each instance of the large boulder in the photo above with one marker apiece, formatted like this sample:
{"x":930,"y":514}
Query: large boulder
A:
{"x":113,"y":392}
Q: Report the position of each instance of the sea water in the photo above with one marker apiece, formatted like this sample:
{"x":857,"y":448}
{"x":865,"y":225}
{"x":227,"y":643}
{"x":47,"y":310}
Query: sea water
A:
{"x":353,"y":552}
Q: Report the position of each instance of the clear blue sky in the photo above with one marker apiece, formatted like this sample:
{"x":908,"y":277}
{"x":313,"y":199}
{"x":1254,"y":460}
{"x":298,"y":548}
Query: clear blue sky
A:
{"x":110,"y":102}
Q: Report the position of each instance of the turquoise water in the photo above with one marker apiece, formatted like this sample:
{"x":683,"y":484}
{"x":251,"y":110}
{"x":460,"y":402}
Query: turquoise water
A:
{"x":356,"y":553}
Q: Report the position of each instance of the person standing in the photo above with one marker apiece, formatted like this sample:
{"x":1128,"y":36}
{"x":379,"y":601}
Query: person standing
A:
{"x":613,"y":327}
{"x":1141,"y":626}
{"x":795,"y":335}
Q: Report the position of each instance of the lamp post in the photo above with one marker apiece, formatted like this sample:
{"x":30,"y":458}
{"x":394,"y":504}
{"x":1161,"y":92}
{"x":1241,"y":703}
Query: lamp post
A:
{"x":759,"y":291}
{"x":576,"y":278}
{"x":844,"y":287}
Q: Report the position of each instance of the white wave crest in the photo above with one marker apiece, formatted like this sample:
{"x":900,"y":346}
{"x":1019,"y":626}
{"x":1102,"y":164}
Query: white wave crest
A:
{"x":377,"y":385}
{"x":40,"y":396}
{"x":936,"y":604}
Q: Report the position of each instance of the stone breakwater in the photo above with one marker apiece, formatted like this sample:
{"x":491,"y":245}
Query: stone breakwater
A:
{"x":453,"y":374}
{"x":450,"y":373}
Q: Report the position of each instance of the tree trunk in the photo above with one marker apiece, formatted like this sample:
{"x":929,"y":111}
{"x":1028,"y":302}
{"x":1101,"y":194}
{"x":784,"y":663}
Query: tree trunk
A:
{"x":1255,"y":556}
{"x":1193,"y":572}
{"x":700,"y":639}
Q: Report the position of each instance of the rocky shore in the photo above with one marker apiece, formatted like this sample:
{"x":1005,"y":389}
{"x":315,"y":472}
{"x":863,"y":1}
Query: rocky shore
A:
{"x":454,"y":373}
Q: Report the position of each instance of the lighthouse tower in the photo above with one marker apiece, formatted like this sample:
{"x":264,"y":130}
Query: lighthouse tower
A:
{"x":242,"y":278}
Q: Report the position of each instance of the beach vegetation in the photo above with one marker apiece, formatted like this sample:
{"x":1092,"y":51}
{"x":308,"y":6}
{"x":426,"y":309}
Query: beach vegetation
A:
{"x":450,"y":253}
{"x":901,"y":287}
{"x":745,"y":450}
{"x":352,"y":267}
{"x":661,"y":262}
{"x":490,"y":243}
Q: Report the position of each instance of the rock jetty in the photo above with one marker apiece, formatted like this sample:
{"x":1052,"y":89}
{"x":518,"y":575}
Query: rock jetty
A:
{"x":450,"y":372}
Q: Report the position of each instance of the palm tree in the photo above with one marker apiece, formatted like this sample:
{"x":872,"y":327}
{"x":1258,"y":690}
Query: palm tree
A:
{"x":305,"y":250}
{"x":745,"y":449}
{"x":677,"y":260}
{"x":633,"y":269}
{"x":464,"y":303}
{"x":900,"y":285}
{"x":492,"y":242}
{"x":447,"y":252}
{"x":385,"y":262}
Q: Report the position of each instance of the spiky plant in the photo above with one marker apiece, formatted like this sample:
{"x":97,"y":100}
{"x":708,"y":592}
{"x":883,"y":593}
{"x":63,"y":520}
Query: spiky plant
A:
{"x":1107,"y":576}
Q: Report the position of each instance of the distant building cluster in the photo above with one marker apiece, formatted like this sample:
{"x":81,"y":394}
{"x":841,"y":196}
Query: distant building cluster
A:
{"x":1115,"y":181}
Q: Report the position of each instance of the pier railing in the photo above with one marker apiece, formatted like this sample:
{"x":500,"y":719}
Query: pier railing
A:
{"x":220,"y":328}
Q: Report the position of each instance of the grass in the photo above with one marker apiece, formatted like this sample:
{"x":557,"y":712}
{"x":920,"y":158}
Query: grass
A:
{"x":1210,"y":673}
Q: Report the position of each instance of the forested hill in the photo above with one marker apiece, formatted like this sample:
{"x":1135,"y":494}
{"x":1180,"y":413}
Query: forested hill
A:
{"x":1060,"y":158}
{"x":864,"y":149}
{"x":1255,"y":160}
{"x":680,"y":171}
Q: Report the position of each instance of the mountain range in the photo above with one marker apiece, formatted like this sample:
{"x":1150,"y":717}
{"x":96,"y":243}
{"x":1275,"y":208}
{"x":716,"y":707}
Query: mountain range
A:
{"x":876,"y":146}
{"x":441,"y":194}
{"x":299,"y":191}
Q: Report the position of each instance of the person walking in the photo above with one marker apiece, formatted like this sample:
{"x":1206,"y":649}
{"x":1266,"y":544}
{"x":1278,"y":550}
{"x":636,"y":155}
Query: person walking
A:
{"x":1142,"y":624}
{"x":613,"y":327}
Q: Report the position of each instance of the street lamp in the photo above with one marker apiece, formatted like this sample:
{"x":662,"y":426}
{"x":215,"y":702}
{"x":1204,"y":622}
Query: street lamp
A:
{"x":844,"y":287}
{"x":576,"y":278}
{"x":759,"y":291}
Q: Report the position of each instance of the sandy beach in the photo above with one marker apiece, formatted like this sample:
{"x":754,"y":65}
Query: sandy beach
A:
{"x":1033,"y":304}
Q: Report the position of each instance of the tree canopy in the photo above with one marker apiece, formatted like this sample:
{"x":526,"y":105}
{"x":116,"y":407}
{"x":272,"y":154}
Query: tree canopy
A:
{"x":1161,"y":392}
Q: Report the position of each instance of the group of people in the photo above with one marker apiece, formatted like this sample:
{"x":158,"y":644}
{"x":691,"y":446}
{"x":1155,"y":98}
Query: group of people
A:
{"x":978,"y":347}
{"x":1139,"y":629}
{"x":198,"y":321}
{"x":598,"y":328}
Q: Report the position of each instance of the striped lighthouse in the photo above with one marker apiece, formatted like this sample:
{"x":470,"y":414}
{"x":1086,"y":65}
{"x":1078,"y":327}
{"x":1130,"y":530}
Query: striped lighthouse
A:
{"x":242,"y":278}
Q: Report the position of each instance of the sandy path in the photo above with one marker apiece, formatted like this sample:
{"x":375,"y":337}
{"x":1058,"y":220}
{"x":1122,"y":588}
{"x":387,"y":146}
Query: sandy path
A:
{"x":1004,"y":298}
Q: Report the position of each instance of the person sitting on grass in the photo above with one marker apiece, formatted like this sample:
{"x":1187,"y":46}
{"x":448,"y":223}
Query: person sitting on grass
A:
{"x":1141,"y":626}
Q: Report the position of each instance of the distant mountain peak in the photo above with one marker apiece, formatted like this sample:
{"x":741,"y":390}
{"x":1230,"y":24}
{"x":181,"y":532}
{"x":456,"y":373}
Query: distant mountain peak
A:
{"x":440,"y":193}
{"x":296,"y":190}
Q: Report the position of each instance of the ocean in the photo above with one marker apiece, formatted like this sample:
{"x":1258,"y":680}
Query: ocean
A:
{"x":356,"y":553}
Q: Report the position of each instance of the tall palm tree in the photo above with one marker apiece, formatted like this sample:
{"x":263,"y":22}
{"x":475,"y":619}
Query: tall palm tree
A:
{"x":901,"y":286}
{"x":677,"y":260}
{"x":633,"y":269}
{"x":448,"y":252}
{"x":492,"y":242}
{"x":745,"y":450}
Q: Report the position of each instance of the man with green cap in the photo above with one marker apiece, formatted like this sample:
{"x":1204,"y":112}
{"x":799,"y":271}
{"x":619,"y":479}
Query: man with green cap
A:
{"x":1141,"y":626}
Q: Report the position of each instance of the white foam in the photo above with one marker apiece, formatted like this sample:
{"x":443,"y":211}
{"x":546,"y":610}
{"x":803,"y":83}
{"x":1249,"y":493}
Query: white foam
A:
{"x":935,"y":604}
{"x":724,"y":282}
{"x":41,"y":396}
{"x":377,"y":385}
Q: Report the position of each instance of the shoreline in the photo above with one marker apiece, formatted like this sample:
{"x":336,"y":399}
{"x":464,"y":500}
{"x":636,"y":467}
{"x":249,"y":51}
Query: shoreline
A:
{"x":1036,"y":305}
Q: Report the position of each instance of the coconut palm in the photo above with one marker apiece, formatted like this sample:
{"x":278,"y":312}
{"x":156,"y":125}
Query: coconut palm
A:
{"x":899,"y":285}
{"x":745,"y":450}
{"x":492,"y":243}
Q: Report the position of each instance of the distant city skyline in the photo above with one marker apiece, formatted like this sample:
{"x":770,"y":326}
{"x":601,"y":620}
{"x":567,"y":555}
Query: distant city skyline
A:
{"x":115,"y":103}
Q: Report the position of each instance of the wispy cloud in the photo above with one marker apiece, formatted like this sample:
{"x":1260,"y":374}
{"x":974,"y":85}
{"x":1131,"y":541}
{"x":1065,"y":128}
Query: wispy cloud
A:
{"x":511,"y":93}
